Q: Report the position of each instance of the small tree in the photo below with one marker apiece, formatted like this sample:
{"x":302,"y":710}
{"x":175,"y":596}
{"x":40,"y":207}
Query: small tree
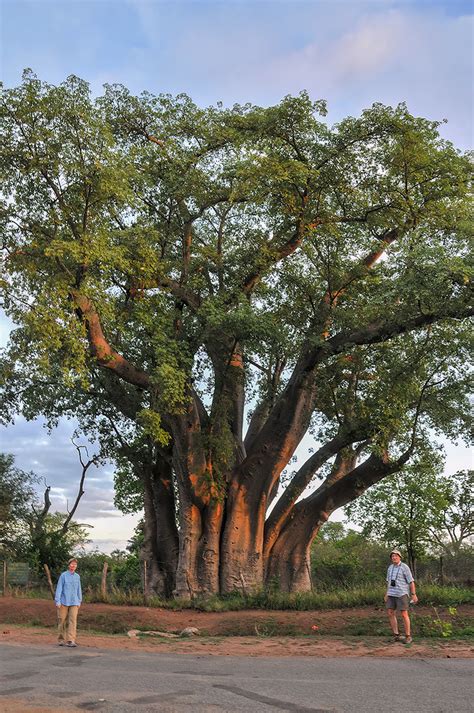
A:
{"x":405,"y":509}
{"x":27,"y":528}
{"x":54,"y":537}
{"x":17,"y":494}
{"x":51,"y":544}
{"x":458,"y":517}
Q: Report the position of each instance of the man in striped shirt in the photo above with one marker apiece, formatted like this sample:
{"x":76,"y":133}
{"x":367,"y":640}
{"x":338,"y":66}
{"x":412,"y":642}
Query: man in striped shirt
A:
{"x":68,"y":599}
{"x":400,"y":587}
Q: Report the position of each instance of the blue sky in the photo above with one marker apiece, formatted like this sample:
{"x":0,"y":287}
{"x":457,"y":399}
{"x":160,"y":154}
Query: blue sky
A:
{"x":350,"y":53}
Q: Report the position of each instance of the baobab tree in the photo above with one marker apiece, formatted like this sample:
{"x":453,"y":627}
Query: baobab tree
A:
{"x":205,"y":288}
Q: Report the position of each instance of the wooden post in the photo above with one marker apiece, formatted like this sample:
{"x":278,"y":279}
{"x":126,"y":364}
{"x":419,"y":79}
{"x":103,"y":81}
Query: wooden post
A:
{"x":103,"y":584}
{"x":50,"y":581}
{"x":5,"y":578}
{"x":145,"y":582}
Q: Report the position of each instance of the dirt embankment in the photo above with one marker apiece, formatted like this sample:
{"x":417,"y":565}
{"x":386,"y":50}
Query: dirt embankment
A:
{"x":342,"y":632}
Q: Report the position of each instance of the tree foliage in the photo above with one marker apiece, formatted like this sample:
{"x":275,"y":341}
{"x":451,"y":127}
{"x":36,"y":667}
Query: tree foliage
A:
{"x":457,"y":526}
{"x":172,"y":268}
{"x":17,"y":493}
{"x":417,"y":509}
{"x":342,"y":557}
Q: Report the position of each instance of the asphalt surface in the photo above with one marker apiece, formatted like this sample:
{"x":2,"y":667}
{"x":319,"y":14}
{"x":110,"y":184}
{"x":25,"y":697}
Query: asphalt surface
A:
{"x":130,"y":682}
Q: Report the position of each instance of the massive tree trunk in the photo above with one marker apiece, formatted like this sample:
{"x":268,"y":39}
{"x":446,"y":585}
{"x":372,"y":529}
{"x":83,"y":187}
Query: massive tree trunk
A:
{"x":289,"y":562}
{"x":190,"y":529}
{"x":200,"y":512}
{"x":199,"y":548}
{"x":253,"y":482}
{"x":208,"y":552}
{"x":242,"y":541}
{"x":160,"y":546}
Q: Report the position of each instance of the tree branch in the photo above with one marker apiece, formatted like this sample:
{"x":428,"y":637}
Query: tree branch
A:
{"x":278,"y":253}
{"x":378,"y":332}
{"x":301,"y":480}
{"x":105,"y":355}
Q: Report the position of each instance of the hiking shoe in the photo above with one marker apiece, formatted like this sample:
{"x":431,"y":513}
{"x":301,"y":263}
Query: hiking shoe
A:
{"x":61,"y":643}
{"x":71,"y":644}
{"x":408,"y":640}
{"x":397,"y":637}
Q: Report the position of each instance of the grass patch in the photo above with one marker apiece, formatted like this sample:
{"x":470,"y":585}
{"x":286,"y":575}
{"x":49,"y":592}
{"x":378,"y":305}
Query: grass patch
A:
{"x":11,"y":620}
{"x":272,"y":600}
{"x":452,"y":627}
{"x":107,"y":623}
{"x":314,"y":601}
{"x":446,"y":596}
{"x":29,"y":593}
{"x":371,"y":626}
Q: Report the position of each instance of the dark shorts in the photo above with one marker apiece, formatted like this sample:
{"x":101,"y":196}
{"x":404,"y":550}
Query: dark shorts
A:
{"x":398,"y":603}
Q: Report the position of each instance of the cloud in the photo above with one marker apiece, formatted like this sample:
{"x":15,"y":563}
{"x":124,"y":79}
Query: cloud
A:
{"x":54,"y":459}
{"x":106,"y":546}
{"x":369,"y":49}
{"x":362,"y":52}
{"x":350,"y":53}
{"x":393,"y":56}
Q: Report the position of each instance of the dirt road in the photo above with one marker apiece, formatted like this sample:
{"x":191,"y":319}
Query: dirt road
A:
{"x":237,"y":633}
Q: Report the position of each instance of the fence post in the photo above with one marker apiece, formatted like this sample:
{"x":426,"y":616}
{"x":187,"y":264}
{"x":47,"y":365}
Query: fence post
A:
{"x":103,"y":584}
{"x":50,"y":581}
{"x":441,"y":570}
{"x":5,"y":578}
{"x":145,"y":582}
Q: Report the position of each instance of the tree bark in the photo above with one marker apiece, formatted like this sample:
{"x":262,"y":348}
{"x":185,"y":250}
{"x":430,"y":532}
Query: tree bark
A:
{"x":288,"y":561}
{"x":289,"y":564}
{"x":242,"y":542}
{"x":160,"y":547}
{"x":252,"y":484}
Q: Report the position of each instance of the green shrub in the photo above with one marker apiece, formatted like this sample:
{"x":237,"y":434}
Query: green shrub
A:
{"x":341,"y":558}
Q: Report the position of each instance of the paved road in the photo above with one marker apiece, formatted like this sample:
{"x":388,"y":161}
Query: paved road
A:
{"x":130,"y":682}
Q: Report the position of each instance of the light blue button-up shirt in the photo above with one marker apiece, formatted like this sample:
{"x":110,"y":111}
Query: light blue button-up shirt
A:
{"x":68,"y":591}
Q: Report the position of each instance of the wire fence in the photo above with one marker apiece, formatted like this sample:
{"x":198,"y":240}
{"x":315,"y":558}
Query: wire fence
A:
{"x":104,"y":576}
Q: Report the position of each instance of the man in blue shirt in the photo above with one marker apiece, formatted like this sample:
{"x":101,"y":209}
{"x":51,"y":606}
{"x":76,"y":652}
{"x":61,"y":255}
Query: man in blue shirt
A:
{"x":400,"y":586}
{"x":68,"y":599}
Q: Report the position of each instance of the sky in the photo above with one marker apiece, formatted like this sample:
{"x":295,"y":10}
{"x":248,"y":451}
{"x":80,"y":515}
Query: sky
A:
{"x":350,"y":52}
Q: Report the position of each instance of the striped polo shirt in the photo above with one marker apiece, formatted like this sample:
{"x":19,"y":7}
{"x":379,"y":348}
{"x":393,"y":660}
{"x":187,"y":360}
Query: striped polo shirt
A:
{"x":402,"y":575}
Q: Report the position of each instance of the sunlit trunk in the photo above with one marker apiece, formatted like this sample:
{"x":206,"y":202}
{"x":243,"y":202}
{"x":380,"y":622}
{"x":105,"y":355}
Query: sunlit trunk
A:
{"x":242,"y":543}
{"x":288,"y":565}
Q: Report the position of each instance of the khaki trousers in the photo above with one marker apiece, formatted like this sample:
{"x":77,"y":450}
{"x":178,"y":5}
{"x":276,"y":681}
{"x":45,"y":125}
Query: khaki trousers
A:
{"x":67,"y":623}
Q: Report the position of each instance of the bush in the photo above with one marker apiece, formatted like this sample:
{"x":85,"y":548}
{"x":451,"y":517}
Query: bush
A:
{"x":124,"y":570}
{"x":127,"y":573}
{"x":346,"y":559}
